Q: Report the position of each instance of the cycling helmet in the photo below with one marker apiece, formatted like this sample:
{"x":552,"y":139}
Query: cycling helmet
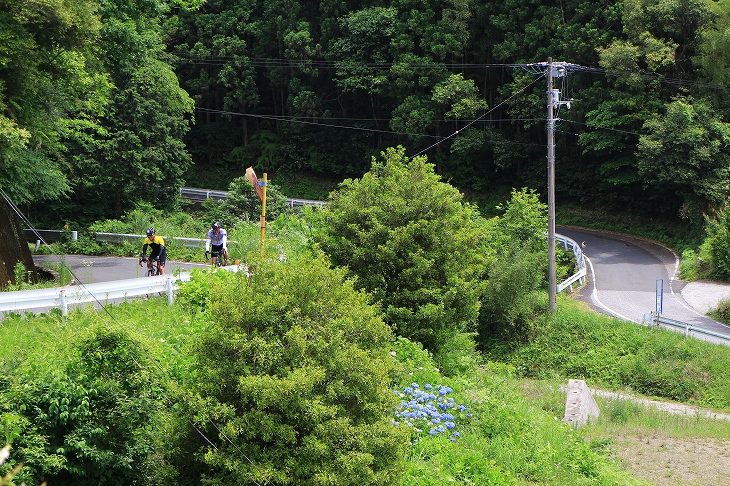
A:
{"x":216,"y":225}
{"x":151,"y":231}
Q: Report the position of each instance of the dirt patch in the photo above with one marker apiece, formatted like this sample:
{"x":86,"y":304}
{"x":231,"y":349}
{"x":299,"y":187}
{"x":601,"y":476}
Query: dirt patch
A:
{"x":667,"y":461}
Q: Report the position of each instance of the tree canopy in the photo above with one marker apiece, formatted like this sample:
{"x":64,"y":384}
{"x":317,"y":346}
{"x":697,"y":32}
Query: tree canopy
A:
{"x":412,"y":242}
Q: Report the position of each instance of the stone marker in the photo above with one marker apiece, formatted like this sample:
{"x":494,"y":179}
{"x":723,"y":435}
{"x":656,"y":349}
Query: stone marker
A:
{"x":579,"y":404}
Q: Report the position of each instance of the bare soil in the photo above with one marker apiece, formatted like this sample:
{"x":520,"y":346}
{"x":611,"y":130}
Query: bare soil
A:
{"x":671,"y":461}
{"x":667,"y":461}
{"x":661,"y":459}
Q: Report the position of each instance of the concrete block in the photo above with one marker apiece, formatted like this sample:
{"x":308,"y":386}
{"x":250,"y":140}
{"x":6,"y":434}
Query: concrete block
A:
{"x":579,"y":404}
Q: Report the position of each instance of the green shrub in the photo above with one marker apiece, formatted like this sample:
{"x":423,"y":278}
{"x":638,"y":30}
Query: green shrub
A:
{"x":412,"y":243}
{"x":514,"y":296}
{"x":619,"y":411}
{"x":295,"y":371}
{"x":718,"y":238}
{"x":689,"y":266}
{"x":88,"y":423}
{"x":721,"y":312}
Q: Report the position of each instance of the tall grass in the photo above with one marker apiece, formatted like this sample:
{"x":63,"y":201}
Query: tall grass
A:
{"x":506,"y":440}
{"x":607,"y":352}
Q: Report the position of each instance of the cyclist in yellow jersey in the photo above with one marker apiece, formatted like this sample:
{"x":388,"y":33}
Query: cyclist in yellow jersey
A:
{"x":157,"y":244}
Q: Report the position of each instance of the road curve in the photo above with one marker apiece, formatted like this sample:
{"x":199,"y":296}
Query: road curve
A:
{"x":623,"y":272}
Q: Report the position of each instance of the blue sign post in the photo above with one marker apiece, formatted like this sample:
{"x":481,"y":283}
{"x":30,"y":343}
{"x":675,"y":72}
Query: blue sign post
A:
{"x":659,"y":295}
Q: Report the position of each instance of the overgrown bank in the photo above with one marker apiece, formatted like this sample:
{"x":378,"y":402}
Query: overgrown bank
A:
{"x":139,"y":370}
{"x":615,"y":354}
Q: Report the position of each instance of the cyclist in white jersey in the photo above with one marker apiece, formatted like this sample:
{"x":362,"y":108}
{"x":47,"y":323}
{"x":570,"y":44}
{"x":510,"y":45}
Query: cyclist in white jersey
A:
{"x":217,"y":237}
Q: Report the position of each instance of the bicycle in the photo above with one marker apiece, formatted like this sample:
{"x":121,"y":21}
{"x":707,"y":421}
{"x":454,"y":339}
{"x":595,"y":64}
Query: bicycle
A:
{"x":218,"y":255}
{"x":153,"y":266}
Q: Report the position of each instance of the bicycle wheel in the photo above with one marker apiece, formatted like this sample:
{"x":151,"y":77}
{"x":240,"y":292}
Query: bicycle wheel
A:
{"x":153,"y":269}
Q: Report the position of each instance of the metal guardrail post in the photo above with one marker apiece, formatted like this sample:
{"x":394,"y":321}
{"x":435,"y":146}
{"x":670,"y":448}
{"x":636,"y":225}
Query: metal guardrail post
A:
{"x":64,"y":303}
{"x":657,"y":320}
{"x":168,"y":290}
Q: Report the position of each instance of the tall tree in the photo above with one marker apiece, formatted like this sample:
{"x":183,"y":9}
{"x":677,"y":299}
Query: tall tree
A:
{"x":412,"y":243}
{"x":136,"y":152}
{"x":683,"y":156}
{"x":48,"y":86}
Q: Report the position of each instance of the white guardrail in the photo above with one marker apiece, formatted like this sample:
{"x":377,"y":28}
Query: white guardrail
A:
{"x":580,"y":263}
{"x":63,"y":297}
{"x":657,"y":320}
{"x":203,"y":194}
{"x":40,"y":300}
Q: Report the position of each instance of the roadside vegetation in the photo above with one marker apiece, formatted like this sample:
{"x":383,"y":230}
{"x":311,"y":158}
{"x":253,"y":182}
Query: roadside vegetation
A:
{"x":314,"y":368}
{"x":75,"y":377}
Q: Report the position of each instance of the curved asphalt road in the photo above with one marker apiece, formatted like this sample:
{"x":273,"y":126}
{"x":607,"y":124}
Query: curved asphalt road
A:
{"x":622,"y":276}
{"x":623,"y":273}
{"x":95,"y":269}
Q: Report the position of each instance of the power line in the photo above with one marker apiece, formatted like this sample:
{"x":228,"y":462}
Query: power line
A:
{"x":589,"y":125}
{"x":485,"y":114}
{"x":306,"y":121}
{"x":244,"y":60}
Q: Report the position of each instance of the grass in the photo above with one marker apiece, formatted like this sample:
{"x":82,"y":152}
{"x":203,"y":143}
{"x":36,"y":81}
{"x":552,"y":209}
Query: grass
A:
{"x":613,"y":354}
{"x":506,"y":441}
{"x":686,"y":447}
{"x":624,"y":416}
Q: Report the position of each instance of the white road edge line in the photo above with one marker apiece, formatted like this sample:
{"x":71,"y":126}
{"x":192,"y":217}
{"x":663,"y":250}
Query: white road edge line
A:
{"x":595,"y":298}
{"x":672,"y":279}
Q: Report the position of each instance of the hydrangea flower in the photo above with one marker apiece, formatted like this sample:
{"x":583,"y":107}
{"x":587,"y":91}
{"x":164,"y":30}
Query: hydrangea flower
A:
{"x":428,"y":408}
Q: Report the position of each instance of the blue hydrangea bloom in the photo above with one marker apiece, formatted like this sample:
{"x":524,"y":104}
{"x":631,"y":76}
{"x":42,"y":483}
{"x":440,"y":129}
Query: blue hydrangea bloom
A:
{"x":425,"y":408}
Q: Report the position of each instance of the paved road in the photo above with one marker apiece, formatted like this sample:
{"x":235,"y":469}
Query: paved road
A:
{"x":95,"y":269}
{"x":623,"y":273}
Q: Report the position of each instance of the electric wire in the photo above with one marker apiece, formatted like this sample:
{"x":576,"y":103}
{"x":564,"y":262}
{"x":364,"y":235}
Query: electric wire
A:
{"x":534,"y":68}
{"x":139,"y":365}
{"x":485,"y":114}
{"x":244,"y":61}
{"x":304,"y":122}
{"x":599,"y":127}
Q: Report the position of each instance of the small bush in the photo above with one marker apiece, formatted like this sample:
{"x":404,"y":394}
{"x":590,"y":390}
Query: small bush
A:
{"x":721,"y":312}
{"x":689,"y":266}
{"x":620,"y":411}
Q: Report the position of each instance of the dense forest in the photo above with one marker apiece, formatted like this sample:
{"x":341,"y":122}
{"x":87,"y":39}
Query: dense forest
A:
{"x":106,"y":103}
{"x":107,"y":100}
{"x":321,"y":87}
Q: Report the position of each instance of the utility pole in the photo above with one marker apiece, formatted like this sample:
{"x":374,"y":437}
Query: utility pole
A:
{"x":553,"y":101}
{"x":551,"y":188}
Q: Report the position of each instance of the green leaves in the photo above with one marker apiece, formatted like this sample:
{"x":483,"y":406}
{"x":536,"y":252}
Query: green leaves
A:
{"x":295,"y":370}
{"x":411,"y":242}
{"x":682,"y":152}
